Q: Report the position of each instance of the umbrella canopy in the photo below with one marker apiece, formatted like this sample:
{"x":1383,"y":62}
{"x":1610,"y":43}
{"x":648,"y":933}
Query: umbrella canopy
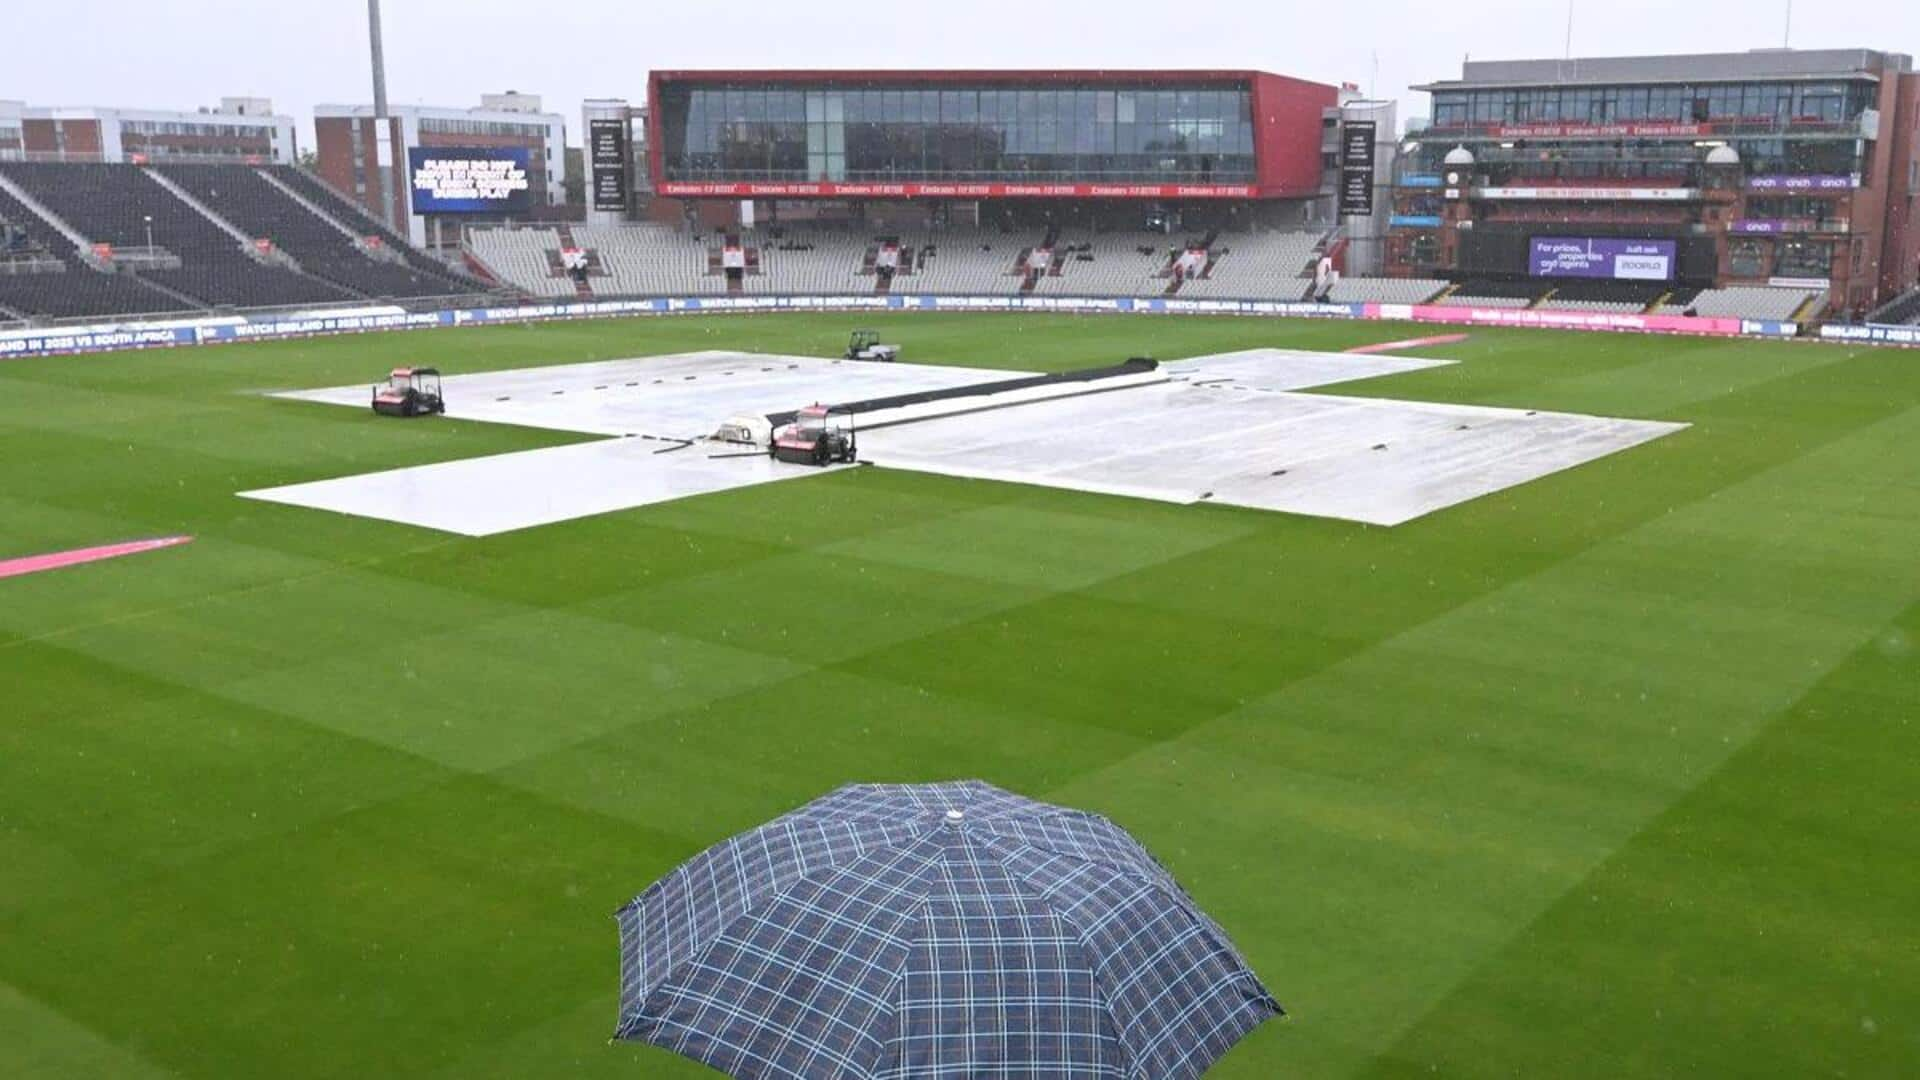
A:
{"x":932,"y":930}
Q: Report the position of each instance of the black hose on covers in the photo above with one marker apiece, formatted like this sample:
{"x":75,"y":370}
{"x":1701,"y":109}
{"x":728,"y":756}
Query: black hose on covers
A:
{"x":854,"y":408}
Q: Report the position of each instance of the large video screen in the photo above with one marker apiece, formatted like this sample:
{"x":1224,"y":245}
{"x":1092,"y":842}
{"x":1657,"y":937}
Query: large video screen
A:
{"x":1604,"y":257}
{"x":470,"y":180}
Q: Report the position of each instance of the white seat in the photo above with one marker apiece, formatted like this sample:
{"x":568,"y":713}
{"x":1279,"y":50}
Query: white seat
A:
{"x":1759,"y":302}
{"x":520,"y":258}
{"x":1365,"y":290}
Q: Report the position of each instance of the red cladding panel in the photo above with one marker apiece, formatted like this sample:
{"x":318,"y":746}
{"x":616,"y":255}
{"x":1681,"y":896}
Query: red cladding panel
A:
{"x":1062,"y":76}
{"x":654,"y":169}
{"x":1286,"y":133}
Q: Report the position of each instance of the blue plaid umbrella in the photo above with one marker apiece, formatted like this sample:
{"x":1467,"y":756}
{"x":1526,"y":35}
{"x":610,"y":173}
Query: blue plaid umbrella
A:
{"x":953,"y":930}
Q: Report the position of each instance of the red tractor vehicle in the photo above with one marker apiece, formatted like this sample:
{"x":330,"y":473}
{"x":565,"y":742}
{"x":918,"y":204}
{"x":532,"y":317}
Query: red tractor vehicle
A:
{"x":817,"y":436}
{"x":410,"y":392}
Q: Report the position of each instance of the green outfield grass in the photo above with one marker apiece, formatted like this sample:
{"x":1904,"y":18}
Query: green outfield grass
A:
{"x":1615,"y":774}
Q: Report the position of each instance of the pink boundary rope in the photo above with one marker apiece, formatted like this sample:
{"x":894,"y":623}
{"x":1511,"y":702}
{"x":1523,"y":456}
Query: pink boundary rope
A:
{"x":34,"y":564}
{"x":1410,"y":343}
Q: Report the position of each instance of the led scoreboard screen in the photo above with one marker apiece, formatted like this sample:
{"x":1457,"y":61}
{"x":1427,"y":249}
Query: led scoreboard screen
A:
{"x":470,"y":180}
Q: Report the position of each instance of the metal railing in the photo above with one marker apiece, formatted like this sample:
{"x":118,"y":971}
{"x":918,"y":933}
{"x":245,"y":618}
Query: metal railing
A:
{"x":409,"y":304}
{"x":1901,"y":309}
{"x":21,"y":265}
{"x":723,"y":175}
{"x":133,"y":157}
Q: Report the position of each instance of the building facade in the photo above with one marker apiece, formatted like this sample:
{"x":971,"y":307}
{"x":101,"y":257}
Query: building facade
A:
{"x":1368,"y":130}
{"x":10,"y":134}
{"x":352,"y":156}
{"x":1768,"y":167}
{"x":963,"y":137}
{"x":238,"y":130}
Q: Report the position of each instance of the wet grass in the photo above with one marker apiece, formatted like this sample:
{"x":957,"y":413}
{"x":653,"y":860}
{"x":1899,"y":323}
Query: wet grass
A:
{"x":1611,"y":774}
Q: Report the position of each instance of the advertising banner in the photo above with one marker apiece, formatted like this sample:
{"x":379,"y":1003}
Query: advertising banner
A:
{"x":1606,"y":258}
{"x":830,"y":190}
{"x":1802,"y":183}
{"x":1573,"y":320}
{"x":1585,"y":194}
{"x":89,"y":339}
{"x":107,"y":337}
{"x":1873,"y":333}
{"x":1653,"y":129}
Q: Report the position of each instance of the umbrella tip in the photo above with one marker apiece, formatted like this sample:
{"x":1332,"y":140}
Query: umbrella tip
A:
{"x":956,"y":815}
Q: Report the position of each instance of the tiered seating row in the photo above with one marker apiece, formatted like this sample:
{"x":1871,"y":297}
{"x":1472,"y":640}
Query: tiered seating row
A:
{"x":1386,"y":290}
{"x":122,"y":206}
{"x":80,"y":292}
{"x":1745,"y":302}
{"x":331,"y":203}
{"x":520,"y":257}
{"x":1263,"y":265}
{"x":1904,"y":311}
{"x":654,"y":260}
{"x":256,"y":207}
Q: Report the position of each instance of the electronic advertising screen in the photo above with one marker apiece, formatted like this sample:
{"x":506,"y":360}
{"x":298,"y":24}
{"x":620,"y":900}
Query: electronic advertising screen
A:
{"x":1604,"y":257}
{"x":607,"y":157}
{"x":1356,"y":168}
{"x":470,"y":180}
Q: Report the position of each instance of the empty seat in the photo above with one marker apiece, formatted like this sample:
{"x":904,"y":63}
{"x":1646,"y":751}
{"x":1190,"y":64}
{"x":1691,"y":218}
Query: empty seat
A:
{"x":519,"y":257}
{"x":77,"y":291}
{"x":242,"y":197}
{"x":1901,"y":312}
{"x":121,"y":205}
{"x":358,"y":221}
{"x":1760,"y":302}
{"x":1618,"y":297}
{"x":1495,"y":294}
{"x":1365,"y":290}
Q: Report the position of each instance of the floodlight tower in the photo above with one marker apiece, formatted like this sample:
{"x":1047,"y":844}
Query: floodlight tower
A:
{"x":381,"y":126}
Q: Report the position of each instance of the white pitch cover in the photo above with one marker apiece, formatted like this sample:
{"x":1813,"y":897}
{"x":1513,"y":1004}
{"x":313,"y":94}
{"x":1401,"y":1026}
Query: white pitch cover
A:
{"x":1233,"y":429}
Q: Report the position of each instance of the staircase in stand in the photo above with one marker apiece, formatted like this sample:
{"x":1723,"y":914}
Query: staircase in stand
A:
{"x":749,"y":258}
{"x":1809,"y":309}
{"x":1023,"y":264}
{"x":582,"y":287}
{"x":176,"y":295}
{"x":1899,"y":311}
{"x":83,"y":248}
{"x":870,"y":263}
